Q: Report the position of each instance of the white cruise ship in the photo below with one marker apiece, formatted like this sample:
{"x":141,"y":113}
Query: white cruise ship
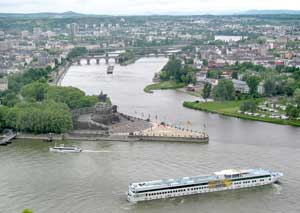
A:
{"x":219,"y":181}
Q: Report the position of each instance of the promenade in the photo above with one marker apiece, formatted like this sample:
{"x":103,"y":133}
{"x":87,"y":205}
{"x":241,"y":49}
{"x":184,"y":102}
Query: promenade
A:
{"x":170,"y":131}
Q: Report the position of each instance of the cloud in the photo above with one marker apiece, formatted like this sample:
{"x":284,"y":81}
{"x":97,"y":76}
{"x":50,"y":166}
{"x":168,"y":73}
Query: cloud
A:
{"x":141,"y":6}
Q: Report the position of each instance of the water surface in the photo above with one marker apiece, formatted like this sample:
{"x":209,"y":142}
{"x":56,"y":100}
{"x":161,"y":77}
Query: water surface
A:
{"x":97,"y":179}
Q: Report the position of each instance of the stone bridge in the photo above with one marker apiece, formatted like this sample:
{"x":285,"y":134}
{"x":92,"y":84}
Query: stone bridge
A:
{"x":97,"y":58}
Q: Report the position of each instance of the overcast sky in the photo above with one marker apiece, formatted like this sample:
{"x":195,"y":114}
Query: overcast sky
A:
{"x":116,"y":7}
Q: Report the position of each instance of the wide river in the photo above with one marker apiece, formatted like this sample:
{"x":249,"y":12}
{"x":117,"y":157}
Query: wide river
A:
{"x":96,"y":180}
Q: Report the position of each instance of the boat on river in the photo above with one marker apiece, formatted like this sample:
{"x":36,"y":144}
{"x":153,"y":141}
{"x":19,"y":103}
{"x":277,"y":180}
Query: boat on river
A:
{"x":219,"y":181}
{"x":63,"y":148}
{"x":110,"y":69}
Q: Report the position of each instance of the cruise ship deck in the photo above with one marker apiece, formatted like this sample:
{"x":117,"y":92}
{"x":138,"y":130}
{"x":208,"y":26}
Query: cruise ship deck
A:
{"x":230,"y":174}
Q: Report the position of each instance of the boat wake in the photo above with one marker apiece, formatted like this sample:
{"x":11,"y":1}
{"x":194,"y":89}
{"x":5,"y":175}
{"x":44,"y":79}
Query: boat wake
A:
{"x":278,"y":189}
{"x":96,"y":151}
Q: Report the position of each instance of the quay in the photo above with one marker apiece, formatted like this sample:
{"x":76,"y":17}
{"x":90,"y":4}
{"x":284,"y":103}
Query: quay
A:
{"x":134,"y":130}
{"x":168,"y":133}
{"x":103,"y":122}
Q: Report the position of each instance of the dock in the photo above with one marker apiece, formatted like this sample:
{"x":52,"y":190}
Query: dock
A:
{"x":7,"y":139}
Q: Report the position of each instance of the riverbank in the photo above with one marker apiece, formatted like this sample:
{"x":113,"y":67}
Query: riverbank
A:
{"x":197,"y":91}
{"x":231,"y":108}
{"x":163,"y":86}
{"x":130,"y":61}
{"x":129,"y":129}
{"x":57,"y":77}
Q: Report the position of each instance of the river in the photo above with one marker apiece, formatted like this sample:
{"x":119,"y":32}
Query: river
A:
{"x":97,"y":179}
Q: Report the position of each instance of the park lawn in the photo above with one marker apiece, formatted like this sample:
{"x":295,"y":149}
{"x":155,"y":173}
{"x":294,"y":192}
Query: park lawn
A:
{"x":163,"y":85}
{"x":230,"y":108}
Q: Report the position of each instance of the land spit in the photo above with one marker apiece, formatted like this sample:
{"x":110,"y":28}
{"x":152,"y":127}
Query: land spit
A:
{"x":128,"y":129}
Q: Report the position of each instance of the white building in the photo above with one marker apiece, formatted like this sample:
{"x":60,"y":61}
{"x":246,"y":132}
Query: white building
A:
{"x":3,"y":84}
{"x":240,"y":86}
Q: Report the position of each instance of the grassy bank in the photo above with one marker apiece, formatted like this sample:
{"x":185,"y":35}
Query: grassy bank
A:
{"x":230,"y":108}
{"x":163,"y":85}
{"x":130,"y":61}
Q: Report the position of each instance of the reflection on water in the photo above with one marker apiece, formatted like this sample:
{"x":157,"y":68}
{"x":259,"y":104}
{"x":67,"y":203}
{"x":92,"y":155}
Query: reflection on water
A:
{"x":97,"y":179}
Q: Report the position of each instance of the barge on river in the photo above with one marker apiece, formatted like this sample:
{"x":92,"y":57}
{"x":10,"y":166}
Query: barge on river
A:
{"x":219,"y":181}
{"x":62,"y":148}
{"x":110,"y":69}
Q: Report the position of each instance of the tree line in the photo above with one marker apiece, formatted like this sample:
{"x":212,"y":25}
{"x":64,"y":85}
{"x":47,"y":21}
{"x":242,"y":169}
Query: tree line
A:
{"x":174,"y":70}
{"x":31,"y":105}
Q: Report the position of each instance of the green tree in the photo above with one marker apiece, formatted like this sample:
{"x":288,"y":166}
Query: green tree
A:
{"x":252,"y":82}
{"x":292,"y":111}
{"x":9,"y":98}
{"x":215,"y":74}
{"x":34,"y":91}
{"x":270,"y":86}
{"x":173,"y":68}
{"x":164,"y":76}
{"x":18,"y":80}
{"x":43,"y":117}
{"x":76,"y":52}
{"x":296,"y":96}
{"x":73,"y":97}
{"x":189,"y":61}
{"x":234,"y":74}
{"x":289,"y":87}
{"x":3,"y":111}
{"x":224,"y":91}
{"x":190,"y":78}
{"x":27,"y":211}
{"x":206,"y":90}
{"x":279,"y":87}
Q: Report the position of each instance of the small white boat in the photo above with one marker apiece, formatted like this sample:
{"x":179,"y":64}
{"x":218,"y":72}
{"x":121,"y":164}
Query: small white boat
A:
{"x":63,"y":148}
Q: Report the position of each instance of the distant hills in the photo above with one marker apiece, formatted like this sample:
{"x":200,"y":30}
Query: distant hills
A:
{"x":271,"y":12}
{"x":71,"y":14}
{"x":68,"y":14}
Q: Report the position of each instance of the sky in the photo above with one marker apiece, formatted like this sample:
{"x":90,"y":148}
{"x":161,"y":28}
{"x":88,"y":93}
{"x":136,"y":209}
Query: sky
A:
{"x":132,"y":7}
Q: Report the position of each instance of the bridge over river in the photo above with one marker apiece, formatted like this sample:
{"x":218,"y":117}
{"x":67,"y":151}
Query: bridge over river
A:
{"x":157,"y":51}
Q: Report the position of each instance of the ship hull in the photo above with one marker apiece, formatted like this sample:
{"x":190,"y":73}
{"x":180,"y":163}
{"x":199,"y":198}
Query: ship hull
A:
{"x":201,"y":189}
{"x":65,"y":151}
